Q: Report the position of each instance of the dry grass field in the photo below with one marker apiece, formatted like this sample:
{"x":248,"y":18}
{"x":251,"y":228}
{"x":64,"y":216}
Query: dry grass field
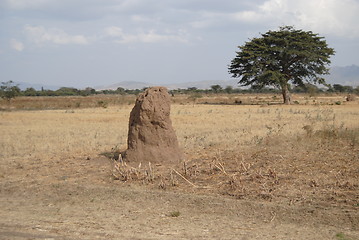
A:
{"x":255,"y":170}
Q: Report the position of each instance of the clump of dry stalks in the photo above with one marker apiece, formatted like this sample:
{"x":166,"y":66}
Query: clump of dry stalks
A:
{"x":122,"y":171}
{"x":239,"y":180}
{"x":148,"y":174}
{"x":243,"y":178}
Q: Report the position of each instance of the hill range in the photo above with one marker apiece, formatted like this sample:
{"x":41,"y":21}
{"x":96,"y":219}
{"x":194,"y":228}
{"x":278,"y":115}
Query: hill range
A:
{"x":346,"y":76}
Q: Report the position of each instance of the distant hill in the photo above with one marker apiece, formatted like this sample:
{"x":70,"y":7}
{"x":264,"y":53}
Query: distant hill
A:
{"x":185,"y":85}
{"x":125,"y":85}
{"x":36,"y":86}
{"x":203,"y":84}
{"x":346,"y":76}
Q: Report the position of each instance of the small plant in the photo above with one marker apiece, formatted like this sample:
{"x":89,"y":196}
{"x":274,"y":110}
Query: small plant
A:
{"x":341,"y":236}
{"x":174,"y":214}
{"x":338,"y":103}
{"x":103,"y":104}
{"x":308,"y":129}
{"x":257,"y":140}
{"x":237,"y":101}
{"x":78,"y":104}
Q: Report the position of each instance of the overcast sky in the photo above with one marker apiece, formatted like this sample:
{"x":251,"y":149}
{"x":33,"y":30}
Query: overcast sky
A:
{"x":82,"y":43}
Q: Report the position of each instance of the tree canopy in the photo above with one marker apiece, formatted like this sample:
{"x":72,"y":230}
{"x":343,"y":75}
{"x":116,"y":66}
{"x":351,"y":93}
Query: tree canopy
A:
{"x":8,"y":90}
{"x":279,"y":57}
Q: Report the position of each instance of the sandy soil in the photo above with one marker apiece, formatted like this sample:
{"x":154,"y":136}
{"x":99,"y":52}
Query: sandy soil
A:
{"x":251,"y":172}
{"x":77,"y":198}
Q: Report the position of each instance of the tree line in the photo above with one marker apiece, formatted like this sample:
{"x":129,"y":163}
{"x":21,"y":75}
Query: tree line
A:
{"x":9,"y":90}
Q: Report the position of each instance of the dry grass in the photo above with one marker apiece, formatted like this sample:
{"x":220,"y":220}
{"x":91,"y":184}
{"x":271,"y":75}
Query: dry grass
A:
{"x":260,"y":99}
{"x":62,"y":132}
{"x":297,"y":153}
{"x":104,"y":101}
{"x":66,"y":102}
{"x":51,"y":132}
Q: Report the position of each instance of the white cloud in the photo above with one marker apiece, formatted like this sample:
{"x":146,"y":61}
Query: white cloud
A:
{"x":26,"y":4}
{"x":208,"y":19}
{"x":146,"y":37}
{"x":41,"y":35}
{"x":336,"y":17}
{"x":17,"y":45}
{"x":145,"y":19}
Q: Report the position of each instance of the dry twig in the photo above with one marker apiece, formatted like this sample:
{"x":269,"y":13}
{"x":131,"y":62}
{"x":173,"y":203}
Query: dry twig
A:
{"x":184,"y":178}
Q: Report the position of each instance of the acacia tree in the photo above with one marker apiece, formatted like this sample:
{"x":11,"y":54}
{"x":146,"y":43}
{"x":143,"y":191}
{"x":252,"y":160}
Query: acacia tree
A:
{"x":279,"y":57}
{"x":216,"y":88}
{"x":9,"y":91}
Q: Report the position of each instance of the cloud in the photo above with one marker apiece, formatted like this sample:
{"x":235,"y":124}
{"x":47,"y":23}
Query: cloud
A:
{"x":17,"y":45}
{"x":145,"y":37}
{"x":207,"y":19}
{"x":335,"y":17}
{"x":40,"y":35}
{"x":79,"y":10}
{"x":26,"y":4}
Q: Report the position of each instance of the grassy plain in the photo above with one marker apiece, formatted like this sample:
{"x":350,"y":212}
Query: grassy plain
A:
{"x":296,"y":165}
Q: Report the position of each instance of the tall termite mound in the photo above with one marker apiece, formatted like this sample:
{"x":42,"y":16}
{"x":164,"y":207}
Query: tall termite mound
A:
{"x":151,"y":137}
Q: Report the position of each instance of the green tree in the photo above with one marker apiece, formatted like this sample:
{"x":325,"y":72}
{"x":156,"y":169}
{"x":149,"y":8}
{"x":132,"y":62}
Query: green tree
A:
{"x":312,"y":89}
{"x":87,"y":91}
{"x":229,"y":89}
{"x":356,"y":90}
{"x":8,"y":90}
{"x":279,"y":57}
{"x":120,"y":90}
{"x":338,"y":88}
{"x":30,"y":92}
{"x":216,"y":88}
{"x":192,"y":90}
{"x":67,"y":91}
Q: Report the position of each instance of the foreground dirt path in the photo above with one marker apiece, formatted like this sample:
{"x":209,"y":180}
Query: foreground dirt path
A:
{"x":109,"y":213}
{"x":75,"y":199}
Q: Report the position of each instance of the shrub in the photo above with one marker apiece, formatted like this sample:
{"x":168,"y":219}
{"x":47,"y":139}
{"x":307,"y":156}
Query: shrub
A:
{"x":103,"y":104}
{"x":350,"y":98}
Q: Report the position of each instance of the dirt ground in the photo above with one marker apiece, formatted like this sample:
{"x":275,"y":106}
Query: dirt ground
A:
{"x":251,"y":172}
{"x":76,"y":198}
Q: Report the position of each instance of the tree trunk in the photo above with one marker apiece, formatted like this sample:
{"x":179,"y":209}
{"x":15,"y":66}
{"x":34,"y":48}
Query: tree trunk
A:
{"x":286,"y":94}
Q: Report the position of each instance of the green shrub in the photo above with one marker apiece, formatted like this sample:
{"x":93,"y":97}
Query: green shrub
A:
{"x":103,"y":104}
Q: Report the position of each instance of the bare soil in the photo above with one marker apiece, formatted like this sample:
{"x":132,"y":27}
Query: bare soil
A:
{"x":78,"y":198}
{"x":251,"y":172}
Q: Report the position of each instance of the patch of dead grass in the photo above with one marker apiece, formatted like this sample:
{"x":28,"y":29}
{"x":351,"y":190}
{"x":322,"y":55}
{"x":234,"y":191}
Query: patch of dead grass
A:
{"x":301,"y":153}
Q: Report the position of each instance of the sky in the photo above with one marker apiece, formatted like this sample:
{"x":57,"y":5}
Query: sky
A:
{"x":89,"y":43}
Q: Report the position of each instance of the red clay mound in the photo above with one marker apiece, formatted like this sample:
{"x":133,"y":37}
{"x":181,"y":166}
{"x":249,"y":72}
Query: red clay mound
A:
{"x":151,"y":137}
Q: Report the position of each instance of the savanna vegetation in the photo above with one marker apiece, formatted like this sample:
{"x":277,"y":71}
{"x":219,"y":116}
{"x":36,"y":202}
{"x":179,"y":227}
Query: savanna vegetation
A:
{"x":269,"y":168}
{"x":254,"y":168}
